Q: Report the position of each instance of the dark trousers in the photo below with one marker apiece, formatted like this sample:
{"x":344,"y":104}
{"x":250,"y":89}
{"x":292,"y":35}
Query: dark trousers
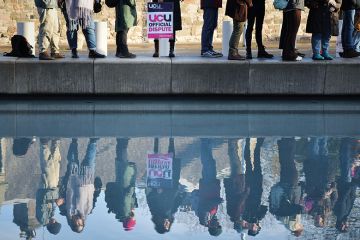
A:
{"x":256,"y":12}
{"x":121,"y":41}
{"x":290,"y":27}
{"x":210,"y":23}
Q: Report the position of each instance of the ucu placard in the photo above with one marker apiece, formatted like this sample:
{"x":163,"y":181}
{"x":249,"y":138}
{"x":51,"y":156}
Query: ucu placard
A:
{"x":160,"y":20}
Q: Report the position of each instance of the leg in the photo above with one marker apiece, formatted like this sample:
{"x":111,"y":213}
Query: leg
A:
{"x":90,"y":155}
{"x":121,"y":158}
{"x":235,"y":152}
{"x":325,"y":41}
{"x":172,"y":45}
{"x":250,"y":27}
{"x":316,"y":46}
{"x":348,"y":29}
{"x":289,"y":41}
{"x":121,"y":43}
{"x":156,"y":45}
{"x":284,"y":29}
{"x":234,"y":41}
{"x":207,"y":161}
{"x":73,"y":153}
{"x":71,"y":35}
{"x":54,"y":43}
{"x":288,"y":172}
{"x":45,"y":33}
{"x":210,"y":22}
{"x":90,"y":37}
{"x":260,"y":14}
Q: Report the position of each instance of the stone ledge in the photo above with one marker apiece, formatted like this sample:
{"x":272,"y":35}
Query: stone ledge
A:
{"x":181,"y":75}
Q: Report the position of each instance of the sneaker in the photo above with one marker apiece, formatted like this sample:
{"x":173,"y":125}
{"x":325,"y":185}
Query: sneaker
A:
{"x":219,"y":54}
{"x":211,"y":54}
{"x":299,"y":53}
{"x":125,"y":55}
{"x":327,"y":56}
{"x":57,"y":55}
{"x":45,"y":56}
{"x":351,"y":53}
{"x":317,"y":56}
{"x":95,"y":54}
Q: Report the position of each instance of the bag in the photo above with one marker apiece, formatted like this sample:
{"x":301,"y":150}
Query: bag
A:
{"x":20,"y":47}
{"x":111,"y":3}
{"x":97,"y":7}
{"x":280,"y":4}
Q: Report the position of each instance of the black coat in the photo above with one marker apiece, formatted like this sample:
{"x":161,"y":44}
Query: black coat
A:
{"x":237,"y":9}
{"x":177,"y":13}
{"x":320,"y":19}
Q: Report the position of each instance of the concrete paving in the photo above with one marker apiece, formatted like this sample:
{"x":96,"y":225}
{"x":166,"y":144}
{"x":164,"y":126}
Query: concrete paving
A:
{"x":185,"y":74}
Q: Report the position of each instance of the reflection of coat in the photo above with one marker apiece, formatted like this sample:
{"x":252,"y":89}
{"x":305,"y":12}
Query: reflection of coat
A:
{"x":320,"y":19}
{"x":126,"y":15}
{"x":177,"y":13}
{"x":236,"y":195}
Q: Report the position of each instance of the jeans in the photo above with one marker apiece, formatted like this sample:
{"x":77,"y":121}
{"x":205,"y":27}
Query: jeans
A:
{"x":210,"y":17}
{"x":207,"y":161}
{"x":356,"y":38}
{"x":256,"y":12}
{"x":89,"y":33}
{"x":320,"y":42}
{"x":348,"y":29}
{"x":235,"y":37}
{"x":89,"y":159}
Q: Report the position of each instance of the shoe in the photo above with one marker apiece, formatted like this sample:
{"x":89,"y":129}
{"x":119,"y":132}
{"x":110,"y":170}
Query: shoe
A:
{"x":218,"y":54}
{"x":171,"y":54}
{"x":293,"y":59}
{"x":317,"y":56}
{"x":263,"y":54}
{"x":125,"y":55}
{"x":351,"y":53}
{"x":249,"y":54}
{"x":74,"y":53}
{"x":327,"y":56}
{"x":172,"y":47}
{"x":299,"y":53}
{"x":45,"y":56}
{"x":156,"y":45}
{"x":95,"y":54}
{"x":237,"y":57}
{"x":57,"y":55}
{"x":210,"y":54}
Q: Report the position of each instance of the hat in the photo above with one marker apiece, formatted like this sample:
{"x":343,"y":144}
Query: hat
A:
{"x":129,"y":224}
{"x":54,"y":228}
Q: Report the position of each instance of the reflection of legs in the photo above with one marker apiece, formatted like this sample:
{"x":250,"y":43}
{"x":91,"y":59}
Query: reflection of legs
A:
{"x":176,"y":162}
{"x":288,"y":172}
{"x":50,"y":162}
{"x":73,"y":154}
{"x":257,"y":162}
{"x":90,"y":156}
{"x":156,"y":145}
{"x":121,"y":157}
{"x":2,"y":155}
{"x":236,"y":154}
{"x":207,"y":161}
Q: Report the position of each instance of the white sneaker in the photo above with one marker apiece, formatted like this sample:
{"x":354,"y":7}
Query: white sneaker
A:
{"x":298,"y":58}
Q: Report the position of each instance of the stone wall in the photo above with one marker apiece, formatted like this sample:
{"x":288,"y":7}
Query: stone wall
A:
{"x":12,"y":11}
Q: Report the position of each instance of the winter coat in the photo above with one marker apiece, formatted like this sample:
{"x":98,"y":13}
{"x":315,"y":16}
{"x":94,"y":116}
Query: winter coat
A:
{"x":295,"y":4}
{"x":45,"y":4}
{"x":237,"y":9}
{"x":320,"y":19}
{"x":177,"y":13}
{"x":210,"y":4}
{"x":126,"y":15}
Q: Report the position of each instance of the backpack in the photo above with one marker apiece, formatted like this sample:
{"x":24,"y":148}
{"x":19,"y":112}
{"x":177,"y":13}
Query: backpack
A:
{"x":280,"y":4}
{"x":111,"y":3}
{"x":20,"y":47}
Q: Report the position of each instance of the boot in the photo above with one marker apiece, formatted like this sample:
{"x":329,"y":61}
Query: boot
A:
{"x":263,"y":54}
{"x":45,"y":56}
{"x":123,"y":52}
{"x":156,"y":45}
{"x":172,"y":47}
{"x":234,"y":55}
{"x":248,"y":53}
{"x":95,"y":54}
{"x":74,"y":53}
{"x":350,"y":53}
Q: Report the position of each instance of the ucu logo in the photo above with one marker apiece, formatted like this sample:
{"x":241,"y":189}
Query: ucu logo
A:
{"x":154,"y":6}
{"x":160,"y":17}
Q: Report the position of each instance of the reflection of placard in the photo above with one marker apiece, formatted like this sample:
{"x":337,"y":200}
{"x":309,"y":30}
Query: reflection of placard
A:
{"x":159,"y":170}
{"x":160,"y":20}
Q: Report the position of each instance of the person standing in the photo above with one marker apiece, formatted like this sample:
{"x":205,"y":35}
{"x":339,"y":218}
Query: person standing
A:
{"x":49,"y":29}
{"x":210,"y":17}
{"x":348,"y":28}
{"x":323,"y":22}
{"x":256,"y":12}
{"x":289,"y":30}
{"x":237,"y":10}
{"x":79,"y":14}
{"x":126,"y":17}
{"x":176,"y":26}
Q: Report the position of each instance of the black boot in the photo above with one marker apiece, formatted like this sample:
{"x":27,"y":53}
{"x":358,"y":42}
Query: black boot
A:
{"x":172,"y":48}
{"x":248,"y":53}
{"x":263,"y":54}
{"x":156,"y":45}
{"x":74,"y":53}
{"x":95,"y":54}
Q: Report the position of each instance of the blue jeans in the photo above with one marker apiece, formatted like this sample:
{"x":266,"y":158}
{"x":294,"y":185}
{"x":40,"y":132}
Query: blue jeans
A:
{"x":210,"y":17}
{"x":356,"y":37}
{"x":89,"y":159}
{"x":320,"y":42}
{"x":207,"y":161}
{"x":89,"y":33}
{"x":348,"y":29}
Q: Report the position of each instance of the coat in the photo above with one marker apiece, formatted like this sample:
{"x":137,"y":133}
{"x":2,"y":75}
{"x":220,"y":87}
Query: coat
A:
{"x":295,"y":4}
{"x":126,"y":15}
{"x":320,"y":19}
{"x":237,"y":9}
{"x":46,"y":4}
{"x":210,"y":4}
{"x":177,"y":13}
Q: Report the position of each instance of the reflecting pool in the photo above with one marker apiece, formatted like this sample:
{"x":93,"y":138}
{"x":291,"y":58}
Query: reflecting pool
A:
{"x":179,"y":169}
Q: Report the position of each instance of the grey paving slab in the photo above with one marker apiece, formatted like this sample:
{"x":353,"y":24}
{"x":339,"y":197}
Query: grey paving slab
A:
{"x":142,"y":75}
{"x":7,"y":75}
{"x":197,"y":75}
{"x":343,"y":77}
{"x":65,"y":76}
{"x":280,"y":77}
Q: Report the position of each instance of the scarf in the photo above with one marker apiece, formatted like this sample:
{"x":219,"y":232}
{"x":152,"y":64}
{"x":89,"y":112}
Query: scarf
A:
{"x":79,"y":13}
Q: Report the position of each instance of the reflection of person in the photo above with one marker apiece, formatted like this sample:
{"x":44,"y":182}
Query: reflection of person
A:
{"x":349,"y":164}
{"x":47,"y":196}
{"x":22,"y":145}
{"x":24,"y":217}
{"x":164,"y":202}
{"x":209,"y":191}
{"x":285,"y":196}
{"x":120,"y":195}
{"x":80,"y":190}
{"x":320,"y":176}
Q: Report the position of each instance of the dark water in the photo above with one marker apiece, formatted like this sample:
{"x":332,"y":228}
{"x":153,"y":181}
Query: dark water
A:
{"x":239,"y":169}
